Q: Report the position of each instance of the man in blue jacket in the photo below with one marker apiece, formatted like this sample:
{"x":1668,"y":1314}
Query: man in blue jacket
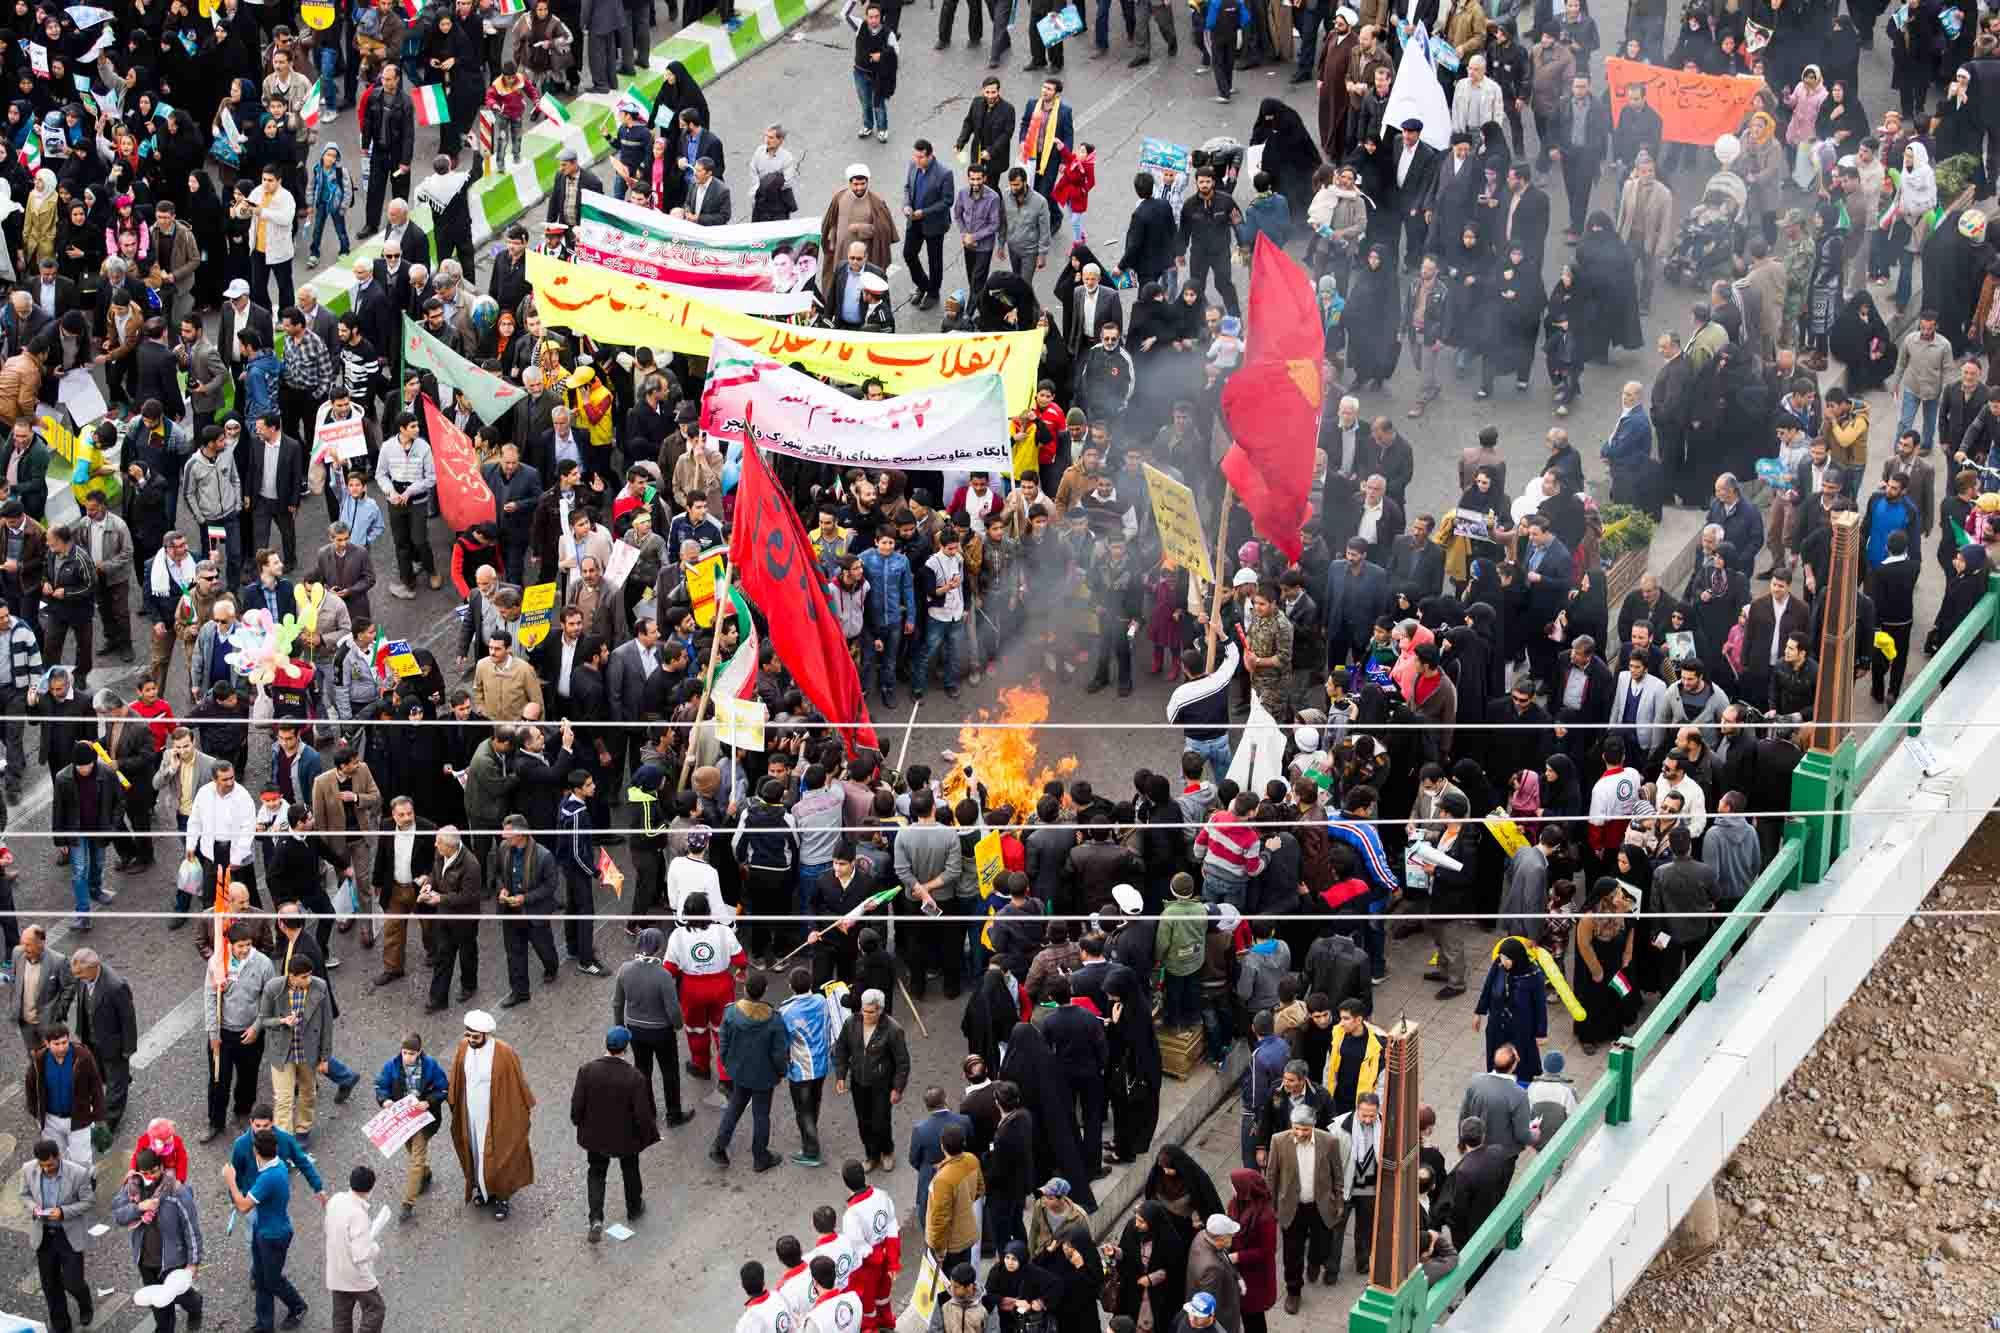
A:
{"x":756,"y":1050}
{"x":890,"y":612}
{"x":1357,"y":591}
{"x":1629,"y":449}
{"x":409,"y":1071}
{"x":928,"y":191}
{"x":243,"y":1156}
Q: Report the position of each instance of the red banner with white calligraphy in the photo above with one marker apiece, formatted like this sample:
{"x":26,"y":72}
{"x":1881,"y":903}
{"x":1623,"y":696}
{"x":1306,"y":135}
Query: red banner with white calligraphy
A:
{"x":463,"y":494}
{"x":773,"y":563}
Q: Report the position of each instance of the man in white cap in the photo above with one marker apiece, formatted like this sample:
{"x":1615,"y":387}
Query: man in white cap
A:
{"x":857,"y":213}
{"x":847,"y":299}
{"x":1212,"y":1273}
{"x":491,"y":1108}
{"x":877,"y":315}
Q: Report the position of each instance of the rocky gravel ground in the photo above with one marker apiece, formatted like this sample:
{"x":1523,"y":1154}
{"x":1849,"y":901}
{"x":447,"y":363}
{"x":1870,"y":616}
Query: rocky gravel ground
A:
{"x":1868,"y":1196}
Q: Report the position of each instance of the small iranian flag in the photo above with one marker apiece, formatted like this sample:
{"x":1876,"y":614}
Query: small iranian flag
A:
{"x":411,"y":9}
{"x":736,"y":678}
{"x":1620,"y":986}
{"x":430,"y":104}
{"x":553,"y":109}
{"x":31,"y":153}
{"x":309,"y":109}
{"x":513,"y":6}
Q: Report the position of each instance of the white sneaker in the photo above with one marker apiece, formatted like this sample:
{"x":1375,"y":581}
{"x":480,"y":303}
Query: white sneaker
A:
{"x":403,"y":591}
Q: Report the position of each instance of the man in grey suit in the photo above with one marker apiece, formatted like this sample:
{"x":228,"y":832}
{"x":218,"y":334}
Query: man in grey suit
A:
{"x":708,"y":198}
{"x":43,"y":987}
{"x":60,"y":1197}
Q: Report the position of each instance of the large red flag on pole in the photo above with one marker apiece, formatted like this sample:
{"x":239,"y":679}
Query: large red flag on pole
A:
{"x":771,"y":560}
{"x":462,"y":492}
{"x":1271,"y":404}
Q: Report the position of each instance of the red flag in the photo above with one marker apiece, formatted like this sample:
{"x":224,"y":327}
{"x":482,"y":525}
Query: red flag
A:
{"x":774,"y":565}
{"x":462,"y":491}
{"x":1271,"y":404}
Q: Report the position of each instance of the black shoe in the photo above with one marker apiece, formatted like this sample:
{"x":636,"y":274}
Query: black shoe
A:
{"x":1124,"y":691}
{"x":214,"y":1133}
{"x":1137,"y":61}
{"x":675,"y":1119}
{"x":695,"y":1071}
{"x":1434,"y":975}
{"x":765,"y":1163}
{"x":345,"y":1090}
{"x":718,"y":1156}
{"x":435,"y":1008}
{"x":513,"y":1000}
{"x":1095,"y":686}
{"x":1299,"y":76}
{"x":178,"y":923}
{"x":1450,"y":992}
{"x":294,"y":1319}
{"x":549,"y":977}
{"x":596,"y":1231}
{"x":466,"y":992}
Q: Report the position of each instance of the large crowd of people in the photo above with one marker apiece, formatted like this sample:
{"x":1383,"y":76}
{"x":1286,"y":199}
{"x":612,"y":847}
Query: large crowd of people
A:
{"x":378,"y":791}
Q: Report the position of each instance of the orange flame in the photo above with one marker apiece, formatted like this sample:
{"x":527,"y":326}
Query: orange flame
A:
{"x":1006,"y":760}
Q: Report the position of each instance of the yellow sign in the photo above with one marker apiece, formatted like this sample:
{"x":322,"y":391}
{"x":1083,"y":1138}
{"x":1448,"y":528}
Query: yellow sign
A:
{"x":986,"y":856}
{"x":701,"y":587}
{"x":619,"y":308}
{"x":538,"y":612}
{"x":1180,"y":525}
{"x":319,"y":17}
{"x":740,"y":722}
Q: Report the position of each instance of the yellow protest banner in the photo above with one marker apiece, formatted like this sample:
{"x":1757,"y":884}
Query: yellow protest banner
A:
{"x":701,"y":587}
{"x":619,"y":308}
{"x":538,"y":612}
{"x":1180,"y":526}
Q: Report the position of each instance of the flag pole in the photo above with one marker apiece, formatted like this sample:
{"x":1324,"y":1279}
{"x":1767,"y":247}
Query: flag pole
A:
{"x":708,"y":676}
{"x":1215,"y":595}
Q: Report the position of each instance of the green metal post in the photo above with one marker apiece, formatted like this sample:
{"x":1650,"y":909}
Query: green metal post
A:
{"x":1993,"y":621}
{"x":1624,"y":1068}
{"x":1403,"y":1310}
{"x":1821,"y":786}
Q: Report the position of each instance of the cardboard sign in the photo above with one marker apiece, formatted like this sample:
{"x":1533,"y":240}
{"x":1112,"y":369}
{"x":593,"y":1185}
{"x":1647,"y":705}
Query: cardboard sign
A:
{"x":701,"y":587}
{"x":986,"y":856}
{"x":401,"y":660}
{"x":347,"y":438}
{"x":1181,"y":540}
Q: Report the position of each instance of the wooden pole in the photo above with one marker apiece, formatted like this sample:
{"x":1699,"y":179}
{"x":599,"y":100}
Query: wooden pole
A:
{"x":708,"y":676}
{"x":904,"y":986}
{"x":222,"y":969}
{"x":1215,"y":595}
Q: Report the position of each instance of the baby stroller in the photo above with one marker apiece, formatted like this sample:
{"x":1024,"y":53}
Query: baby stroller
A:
{"x":1711,"y":236}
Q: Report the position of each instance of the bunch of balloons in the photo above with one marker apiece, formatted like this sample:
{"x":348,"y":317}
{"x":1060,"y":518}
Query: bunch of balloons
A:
{"x":262,"y":645}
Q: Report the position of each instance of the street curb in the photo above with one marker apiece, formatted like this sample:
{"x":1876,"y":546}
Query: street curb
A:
{"x":707,"y":49}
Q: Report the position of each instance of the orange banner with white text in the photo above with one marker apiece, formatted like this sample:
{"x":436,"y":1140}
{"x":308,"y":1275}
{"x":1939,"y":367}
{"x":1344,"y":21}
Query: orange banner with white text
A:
{"x":1694,"y":108}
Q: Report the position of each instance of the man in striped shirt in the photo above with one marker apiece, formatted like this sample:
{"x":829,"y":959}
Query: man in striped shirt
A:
{"x":20,"y":665}
{"x":360,"y":361}
{"x":1228,"y":850}
{"x":408,"y":477}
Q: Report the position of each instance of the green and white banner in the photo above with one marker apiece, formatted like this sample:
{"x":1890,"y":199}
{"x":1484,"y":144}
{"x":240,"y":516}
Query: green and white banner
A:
{"x":759,"y":268}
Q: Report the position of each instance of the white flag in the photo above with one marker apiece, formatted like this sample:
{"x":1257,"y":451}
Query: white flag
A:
{"x":1418,"y":93}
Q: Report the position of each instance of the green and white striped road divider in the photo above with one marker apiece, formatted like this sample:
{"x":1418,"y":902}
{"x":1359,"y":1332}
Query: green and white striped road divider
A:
{"x":707,"y":49}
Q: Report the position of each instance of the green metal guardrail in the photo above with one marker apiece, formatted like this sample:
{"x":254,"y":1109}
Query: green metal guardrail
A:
{"x":1811,"y":843}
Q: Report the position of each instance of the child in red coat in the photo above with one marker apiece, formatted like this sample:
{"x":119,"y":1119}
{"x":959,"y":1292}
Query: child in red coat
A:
{"x":1074,"y":182}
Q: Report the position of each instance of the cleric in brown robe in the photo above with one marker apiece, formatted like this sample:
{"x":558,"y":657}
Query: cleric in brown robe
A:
{"x":491,"y":1111}
{"x":856,"y":213}
{"x":1335,"y":53}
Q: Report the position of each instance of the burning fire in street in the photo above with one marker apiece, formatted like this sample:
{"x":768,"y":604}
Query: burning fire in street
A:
{"x":1006,"y":760}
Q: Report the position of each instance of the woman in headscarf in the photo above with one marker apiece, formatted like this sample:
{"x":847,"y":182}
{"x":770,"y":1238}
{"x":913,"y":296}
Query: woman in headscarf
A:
{"x":1290,"y":154}
{"x":202,"y":212}
{"x":678,"y":91}
{"x":1159,"y":364}
{"x":1178,"y":1183}
{"x":1841,"y":119}
{"x":1610,"y":292}
{"x":453,"y":54}
{"x":1605,"y":941}
{"x":1151,"y":1248}
{"x":1805,"y":99}
{"x":1902,"y":243}
{"x":1373,"y":302}
{"x":1587,"y":613}
{"x":990,"y":1012}
{"x":1524,"y":805}
{"x":1961,"y":593}
{"x":1045,"y":1089}
{"x":1761,"y":164}
{"x":544,"y":49}
{"x":1057,"y":366}
{"x":38,"y":221}
{"x":1514,"y":1005}
{"x":1562,"y":793}
{"x":1375,"y":176}
{"x":1017,"y":1289}
{"x":1862,"y":344}
{"x":1565,"y":313}
{"x":1823,"y":290}
{"x":1073,"y":1262}
{"x":1256,"y":1249}
{"x":1467,"y":270}
{"x":1515,"y":320}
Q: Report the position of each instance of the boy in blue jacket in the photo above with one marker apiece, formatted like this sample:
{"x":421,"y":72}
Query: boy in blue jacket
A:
{"x":406,"y":1073}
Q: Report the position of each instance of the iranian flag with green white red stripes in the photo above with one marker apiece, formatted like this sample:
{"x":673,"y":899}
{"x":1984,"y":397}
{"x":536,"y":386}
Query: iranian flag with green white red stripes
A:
{"x":736,"y":677}
{"x":431,"y":109}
